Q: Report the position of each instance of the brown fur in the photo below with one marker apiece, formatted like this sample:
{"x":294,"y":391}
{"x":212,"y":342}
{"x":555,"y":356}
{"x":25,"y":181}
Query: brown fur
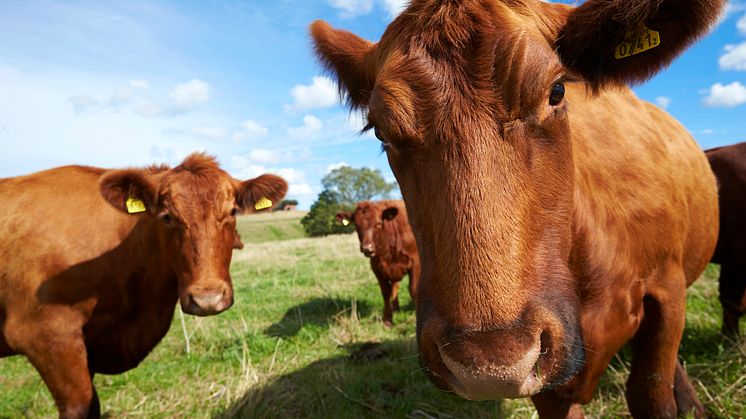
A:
{"x":86,"y":287}
{"x":729,"y":165}
{"x":550,"y":234}
{"x":386,"y":238}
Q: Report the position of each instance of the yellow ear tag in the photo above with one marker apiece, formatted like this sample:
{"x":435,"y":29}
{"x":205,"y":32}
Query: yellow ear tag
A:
{"x":637,"y":41}
{"x":262,"y":204}
{"x":345,"y":222}
{"x":135,"y":205}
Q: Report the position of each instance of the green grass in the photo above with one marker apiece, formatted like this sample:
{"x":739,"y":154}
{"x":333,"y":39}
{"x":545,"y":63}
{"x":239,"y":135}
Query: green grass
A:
{"x":305,"y":339}
{"x":271,"y":226}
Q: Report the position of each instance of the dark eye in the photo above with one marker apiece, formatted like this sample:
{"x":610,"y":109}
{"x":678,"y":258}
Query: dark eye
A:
{"x":556,"y":94}
{"x":234,"y":211}
{"x":166,"y":218}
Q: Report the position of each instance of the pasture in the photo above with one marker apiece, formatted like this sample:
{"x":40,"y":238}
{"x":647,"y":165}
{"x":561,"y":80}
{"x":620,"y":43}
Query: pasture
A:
{"x":305,"y":339}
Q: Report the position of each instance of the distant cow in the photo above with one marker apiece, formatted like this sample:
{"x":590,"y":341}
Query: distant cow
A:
{"x":729,"y":165}
{"x":386,"y":238}
{"x":94,"y":260}
{"x":557,"y":215}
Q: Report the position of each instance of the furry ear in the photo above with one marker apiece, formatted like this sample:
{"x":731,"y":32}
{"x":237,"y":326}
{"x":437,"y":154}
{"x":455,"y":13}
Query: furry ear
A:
{"x":615,"y":42}
{"x":128,"y":190}
{"x":390,"y":213}
{"x":343,"y":216}
{"x":346,"y":55}
{"x":261,"y":193}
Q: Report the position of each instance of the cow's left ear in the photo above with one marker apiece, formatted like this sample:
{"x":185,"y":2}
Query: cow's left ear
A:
{"x":627,"y":41}
{"x":129,"y":190}
{"x":261,"y":193}
{"x":390,"y":213}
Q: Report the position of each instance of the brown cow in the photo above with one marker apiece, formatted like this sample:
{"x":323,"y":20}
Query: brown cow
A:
{"x":729,"y":165}
{"x":94,"y":260}
{"x":386,"y":238}
{"x":556,"y":218}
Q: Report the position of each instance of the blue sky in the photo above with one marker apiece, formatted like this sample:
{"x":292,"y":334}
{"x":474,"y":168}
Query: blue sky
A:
{"x":111,"y":83}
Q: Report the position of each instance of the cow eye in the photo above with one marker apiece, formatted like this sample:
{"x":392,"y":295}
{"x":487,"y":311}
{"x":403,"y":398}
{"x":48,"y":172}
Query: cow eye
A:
{"x":234,"y":211}
{"x":384,"y":143}
{"x":556,"y":94}
{"x":166,"y":218}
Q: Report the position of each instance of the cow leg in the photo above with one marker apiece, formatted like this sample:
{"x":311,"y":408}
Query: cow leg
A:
{"x":385,"y":286}
{"x":551,"y":405}
{"x":395,"y":296}
{"x":686,"y":398}
{"x":650,"y":387}
{"x":732,"y":297}
{"x":414,"y":277}
{"x":55,"y":347}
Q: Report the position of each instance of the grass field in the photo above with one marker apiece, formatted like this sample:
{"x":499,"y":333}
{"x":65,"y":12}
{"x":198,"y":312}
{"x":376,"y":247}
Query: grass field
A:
{"x":305,"y":339}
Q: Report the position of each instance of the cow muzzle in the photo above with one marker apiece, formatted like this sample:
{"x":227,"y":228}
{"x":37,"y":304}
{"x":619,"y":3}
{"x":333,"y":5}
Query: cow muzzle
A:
{"x":207,"y":302}
{"x":368,"y":250}
{"x":495,"y":364}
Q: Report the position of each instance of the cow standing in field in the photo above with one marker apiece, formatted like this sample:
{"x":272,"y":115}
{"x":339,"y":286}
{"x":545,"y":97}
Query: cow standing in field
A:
{"x":94,"y":260}
{"x":729,"y":165}
{"x":557,"y":215}
{"x":386,"y":238}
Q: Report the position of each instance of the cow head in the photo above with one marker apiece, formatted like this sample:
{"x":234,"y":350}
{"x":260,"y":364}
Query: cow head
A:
{"x":193,"y":208}
{"x":467,"y":98}
{"x":368,"y":221}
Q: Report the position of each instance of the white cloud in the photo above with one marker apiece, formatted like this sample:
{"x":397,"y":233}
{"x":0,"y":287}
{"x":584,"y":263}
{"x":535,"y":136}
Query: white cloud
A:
{"x":663,"y":102}
{"x":260,"y":155}
{"x":333,"y":166}
{"x":311,"y":126}
{"x":321,"y":93}
{"x":734,"y":57}
{"x":728,"y":96}
{"x":394,"y":7}
{"x":707,"y":131}
{"x":190,"y":94}
{"x":139,"y":84}
{"x":352,"y":8}
{"x":82,"y":103}
{"x":212,"y":133}
{"x":734,"y":6}
{"x":251,"y":130}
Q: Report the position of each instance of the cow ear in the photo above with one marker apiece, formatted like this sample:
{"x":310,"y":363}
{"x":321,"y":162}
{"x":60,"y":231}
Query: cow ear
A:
{"x":615,"y":42}
{"x":128,"y":190}
{"x":349,"y":57}
{"x":343,"y":216}
{"x":261,"y":193}
{"x":390,"y":213}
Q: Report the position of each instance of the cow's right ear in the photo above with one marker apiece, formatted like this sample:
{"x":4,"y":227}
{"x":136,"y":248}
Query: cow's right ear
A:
{"x":128,"y":190}
{"x":344,"y":217}
{"x":349,"y":57}
{"x":390,"y":213}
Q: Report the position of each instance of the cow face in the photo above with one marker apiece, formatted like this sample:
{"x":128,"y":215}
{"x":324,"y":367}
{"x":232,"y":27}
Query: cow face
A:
{"x":368,"y":221}
{"x":193,"y":208}
{"x":468,"y":100}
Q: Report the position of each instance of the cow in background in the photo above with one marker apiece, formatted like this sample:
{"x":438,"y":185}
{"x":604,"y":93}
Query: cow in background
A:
{"x":94,"y":260}
{"x":729,"y":165}
{"x":557,"y":215}
{"x":386,"y":238}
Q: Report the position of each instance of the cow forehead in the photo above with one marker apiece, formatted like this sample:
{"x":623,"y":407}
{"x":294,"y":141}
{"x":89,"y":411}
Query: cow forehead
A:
{"x":502,"y":64}
{"x":190,"y":192}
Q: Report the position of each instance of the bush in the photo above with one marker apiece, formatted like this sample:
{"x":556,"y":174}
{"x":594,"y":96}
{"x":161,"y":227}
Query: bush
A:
{"x":321,"y":219}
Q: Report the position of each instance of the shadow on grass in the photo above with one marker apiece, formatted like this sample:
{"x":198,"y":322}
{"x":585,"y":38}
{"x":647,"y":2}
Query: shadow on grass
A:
{"x":372,"y":380}
{"x":318,"y":311}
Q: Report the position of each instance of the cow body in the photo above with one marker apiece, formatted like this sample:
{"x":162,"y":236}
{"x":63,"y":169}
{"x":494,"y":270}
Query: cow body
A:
{"x":386,"y":238}
{"x":557,"y":216}
{"x":87,"y":287}
{"x":729,"y":165}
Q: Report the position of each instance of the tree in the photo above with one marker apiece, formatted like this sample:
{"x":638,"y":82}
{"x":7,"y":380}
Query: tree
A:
{"x":321,"y":218}
{"x":353,"y":185}
{"x":282,"y":206}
